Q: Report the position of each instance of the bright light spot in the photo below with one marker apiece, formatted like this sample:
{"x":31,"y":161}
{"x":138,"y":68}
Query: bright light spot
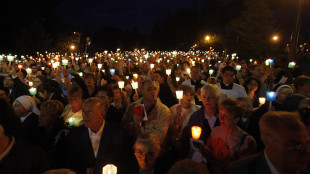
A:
{"x":72,"y":47}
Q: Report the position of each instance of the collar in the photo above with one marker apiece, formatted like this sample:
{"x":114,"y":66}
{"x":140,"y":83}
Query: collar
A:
{"x":99,"y":132}
{"x":7,"y":150}
{"x":270,"y":165}
{"x":229,"y":87}
{"x":22,"y":119}
{"x":51,"y":96}
{"x":197,"y":82}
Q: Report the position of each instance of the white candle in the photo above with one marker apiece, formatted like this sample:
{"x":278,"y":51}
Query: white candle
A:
{"x":238,"y":67}
{"x":65,"y":62}
{"x":152,"y":65}
{"x":179,"y":94}
{"x":81,"y":74}
{"x":121,"y":84}
{"x":90,"y":60}
{"x":109,"y":169}
{"x":135,"y":86}
{"x":30,"y":83}
{"x":211,"y":71}
{"x":177,"y":79}
{"x":33,"y":91}
{"x":29,"y":71}
{"x":168,"y":72}
{"x":262,"y":100}
{"x":10,"y":58}
{"x":99,"y":65}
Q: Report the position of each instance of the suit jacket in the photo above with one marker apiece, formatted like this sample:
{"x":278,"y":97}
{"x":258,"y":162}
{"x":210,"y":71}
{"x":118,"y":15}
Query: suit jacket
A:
{"x":197,"y":119}
{"x":29,"y":128}
{"x":75,"y":151}
{"x":255,"y":164}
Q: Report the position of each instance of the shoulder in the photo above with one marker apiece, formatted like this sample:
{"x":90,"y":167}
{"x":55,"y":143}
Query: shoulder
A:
{"x":238,"y":86}
{"x":203,"y":82}
{"x":243,"y":165}
{"x":186,"y":82}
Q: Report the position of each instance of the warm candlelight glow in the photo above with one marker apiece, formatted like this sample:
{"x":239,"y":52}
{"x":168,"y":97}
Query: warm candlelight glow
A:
{"x":211,"y":71}
{"x":134,"y":85}
{"x":65,"y":62}
{"x":10,"y":58}
{"x":135,"y":76}
{"x":81,"y":74}
{"x":168,"y":72}
{"x":71,"y":121}
{"x":196,"y":132}
{"x":121,"y":84}
{"x":238,"y":67}
{"x":179,"y":94}
{"x":188,"y":70}
{"x":177,"y":79}
{"x":20,"y":66}
{"x":109,"y":169}
{"x":30,"y":83}
{"x":90,"y":60}
{"x":99,"y":65}
{"x":262,"y":100}
{"x":152,"y":65}
{"x":29,"y":71}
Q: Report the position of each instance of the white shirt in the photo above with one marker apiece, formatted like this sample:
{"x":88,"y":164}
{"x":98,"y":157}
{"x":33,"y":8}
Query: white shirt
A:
{"x":95,"y":138}
{"x":236,"y":91}
{"x":270,"y":165}
{"x":211,"y":120}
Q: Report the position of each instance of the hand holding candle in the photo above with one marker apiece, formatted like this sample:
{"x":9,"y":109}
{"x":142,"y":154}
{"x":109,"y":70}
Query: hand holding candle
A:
{"x":179,"y":95}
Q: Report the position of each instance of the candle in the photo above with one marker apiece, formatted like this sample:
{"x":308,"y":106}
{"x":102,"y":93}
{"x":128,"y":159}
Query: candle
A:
{"x":291,"y":64}
{"x":179,"y":94}
{"x":109,"y":169}
{"x":90,"y":60}
{"x":135,"y":86}
{"x":30,"y":83}
{"x":1,"y":58}
{"x":71,"y":121}
{"x":81,"y":74}
{"x":99,"y":65}
{"x":20,"y":66}
{"x":10,"y":58}
{"x":168,"y":72}
{"x":127,"y":77}
{"x":211,"y":71}
{"x":271,"y":96}
{"x":65,"y":62}
{"x":262,"y":100}
{"x":112,"y":72}
{"x":188,"y":70}
{"x":202,"y":60}
{"x":121,"y":84}
{"x":103,"y":71}
{"x":152,"y":65}
{"x":177,"y":79}
{"x":251,"y":60}
{"x":29,"y":71}
{"x":255,"y":62}
{"x":135,"y":76}
{"x":33,"y":91}
{"x":196,"y":131}
{"x":238,"y":67}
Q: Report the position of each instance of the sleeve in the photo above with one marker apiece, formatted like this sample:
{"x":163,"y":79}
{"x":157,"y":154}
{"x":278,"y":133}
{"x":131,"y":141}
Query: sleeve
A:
{"x":163,"y":122}
{"x":127,"y":121}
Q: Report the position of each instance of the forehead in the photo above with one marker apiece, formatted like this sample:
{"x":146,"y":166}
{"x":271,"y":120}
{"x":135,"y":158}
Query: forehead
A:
{"x":229,"y":73}
{"x":207,"y":93}
{"x":141,"y":147}
{"x":294,"y":136}
{"x":8,"y":78}
{"x":150,"y":85}
{"x":285,"y":89}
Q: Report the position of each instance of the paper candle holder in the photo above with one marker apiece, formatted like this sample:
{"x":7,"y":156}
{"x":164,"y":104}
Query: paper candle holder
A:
{"x":134,"y":85}
{"x":71,"y":121}
{"x":99,"y":65}
{"x":152,"y":65}
{"x":109,"y":169}
{"x":211,"y":71}
{"x":65,"y":62}
{"x":121,"y":84}
{"x":271,"y":95}
{"x":196,"y":132}
{"x":177,"y":79}
{"x":188,"y":70}
{"x":29,"y":71}
{"x":81,"y":74}
{"x":262,"y":100}
{"x":168,"y":72}
{"x":112,"y":72}
{"x":291,"y":64}
{"x":33,"y":91}
{"x":10,"y":58}
{"x":238,"y":67}
{"x":90,"y":60}
{"x":179,"y":94}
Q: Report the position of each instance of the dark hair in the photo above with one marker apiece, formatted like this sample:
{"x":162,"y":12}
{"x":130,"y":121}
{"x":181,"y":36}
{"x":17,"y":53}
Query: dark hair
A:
{"x":161,"y":73}
{"x":229,"y":68}
{"x":188,"y":166}
{"x":233,"y":106}
{"x":8,"y":119}
{"x":46,"y":87}
{"x":305,"y":115}
{"x":245,"y":85}
{"x":106,"y":89}
{"x":90,"y":75}
{"x":301,"y":81}
{"x":6,"y":90}
{"x":23,"y":71}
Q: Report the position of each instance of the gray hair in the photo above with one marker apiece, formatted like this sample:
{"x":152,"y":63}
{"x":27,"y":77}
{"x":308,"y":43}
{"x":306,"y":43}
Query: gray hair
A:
{"x":150,"y":140}
{"x":212,"y":89}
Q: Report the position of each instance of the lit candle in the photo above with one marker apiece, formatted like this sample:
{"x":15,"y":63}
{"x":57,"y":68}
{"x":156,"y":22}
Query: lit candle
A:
{"x":271,"y":96}
{"x":81,"y":74}
{"x":127,"y":77}
{"x":262,"y":100}
{"x":20,"y":66}
{"x":43,"y":68}
{"x":179,"y":94}
{"x":211,"y":71}
{"x":238,"y":67}
{"x":152,"y":65}
{"x":291,"y":64}
{"x":71,"y":121}
{"x":30,"y":83}
{"x":29,"y":71}
{"x":196,"y":132}
{"x":188,"y":70}
{"x":10,"y":58}
{"x":202,"y":60}
{"x":90,"y":60}
{"x":65,"y":62}
{"x":109,"y":169}
{"x":99,"y":65}
{"x":251,"y":60}
{"x":135,"y":86}
{"x":1,"y":58}
{"x":135,"y":76}
{"x":168,"y":72}
{"x":121,"y":84}
{"x":112,"y":72}
{"x":177,"y":79}
{"x":33,"y":91}
{"x":103,"y":71}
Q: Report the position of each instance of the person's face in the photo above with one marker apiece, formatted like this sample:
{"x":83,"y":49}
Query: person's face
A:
{"x":187,"y":98}
{"x":158,"y":78}
{"x":257,"y":71}
{"x":150,"y":91}
{"x":75,"y":101}
{"x":178,"y":73}
{"x":4,"y":96}
{"x":89,"y":81}
{"x":34,"y":69}
{"x":283,"y":149}
{"x":43,"y":95}
{"x":195,"y":73}
{"x":37,"y":82}
{"x":208,"y":99}
{"x":8,"y":82}
{"x":117,"y":95}
{"x":252,"y":86}
{"x":92,"y":115}
{"x":103,"y":95}
{"x":227,"y":119}
{"x":228,"y":77}
{"x":283,"y":94}
{"x":19,"y":109}
{"x":48,"y":70}
{"x":45,"y":119}
{"x":145,"y":157}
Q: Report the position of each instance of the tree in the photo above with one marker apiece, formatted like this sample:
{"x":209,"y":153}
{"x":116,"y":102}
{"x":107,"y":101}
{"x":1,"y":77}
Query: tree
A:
{"x":254,"y":29}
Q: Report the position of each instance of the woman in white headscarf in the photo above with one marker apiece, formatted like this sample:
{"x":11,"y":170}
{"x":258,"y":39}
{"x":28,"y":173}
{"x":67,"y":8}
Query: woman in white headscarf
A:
{"x":27,"y":111}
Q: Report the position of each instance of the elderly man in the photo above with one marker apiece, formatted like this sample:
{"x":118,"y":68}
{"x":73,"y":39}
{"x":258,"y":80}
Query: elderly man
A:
{"x":158,"y":115}
{"x":287,"y":146}
{"x":87,"y":149}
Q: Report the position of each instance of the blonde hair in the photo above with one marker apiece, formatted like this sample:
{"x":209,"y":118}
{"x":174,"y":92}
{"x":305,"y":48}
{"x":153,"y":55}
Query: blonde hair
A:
{"x":150,"y":140}
{"x":212,"y":89}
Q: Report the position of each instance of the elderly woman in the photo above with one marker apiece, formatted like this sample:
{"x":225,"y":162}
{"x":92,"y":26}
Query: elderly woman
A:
{"x":181,"y":113}
{"x":27,"y":111}
{"x":73,"y":111}
{"x":228,"y":142}
{"x":146,"y":150}
{"x":50,"y":123}
{"x":206,"y":117}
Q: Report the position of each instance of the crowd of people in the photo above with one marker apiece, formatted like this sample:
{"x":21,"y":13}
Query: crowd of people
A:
{"x":78,"y":114}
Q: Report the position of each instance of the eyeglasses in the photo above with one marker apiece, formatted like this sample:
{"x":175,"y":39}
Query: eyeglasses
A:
{"x":297,"y":147}
{"x":146,"y":156}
